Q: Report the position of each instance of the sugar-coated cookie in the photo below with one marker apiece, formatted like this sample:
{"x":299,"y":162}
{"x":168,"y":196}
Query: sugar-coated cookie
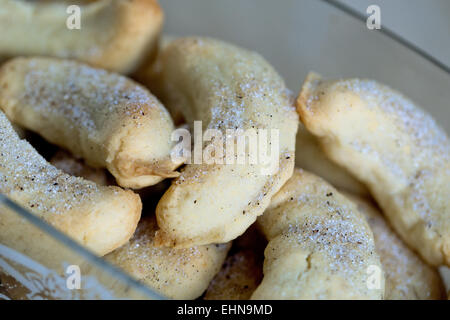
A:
{"x":102,"y":117}
{"x":392,"y":146}
{"x":320,"y":245}
{"x":407,"y":276}
{"x":174,"y":273}
{"x":98,"y":217}
{"x":115,"y":35}
{"x":224,"y":87}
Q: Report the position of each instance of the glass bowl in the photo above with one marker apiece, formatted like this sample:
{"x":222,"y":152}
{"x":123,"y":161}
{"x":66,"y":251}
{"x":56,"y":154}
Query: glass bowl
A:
{"x":295,"y":37}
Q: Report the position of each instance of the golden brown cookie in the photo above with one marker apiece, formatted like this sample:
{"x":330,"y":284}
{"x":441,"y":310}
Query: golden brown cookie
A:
{"x":407,"y":276}
{"x":175,"y":273}
{"x":115,"y":35}
{"x":224,"y":87}
{"x":102,"y":117}
{"x":100,"y":218}
{"x":320,"y":246}
{"x":392,"y":146}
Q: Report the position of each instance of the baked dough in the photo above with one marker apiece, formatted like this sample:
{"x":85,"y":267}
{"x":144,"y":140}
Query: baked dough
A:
{"x":310,"y":157}
{"x":225,"y":87}
{"x":238,"y":278}
{"x":150,"y":74}
{"x":407,"y":276}
{"x":394,"y":147}
{"x":100,"y":218}
{"x":320,"y":246}
{"x":103,"y":117}
{"x":76,"y":167}
{"x":175,"y":273}
{"x":242,"y":271}
{"x":116,"y":35}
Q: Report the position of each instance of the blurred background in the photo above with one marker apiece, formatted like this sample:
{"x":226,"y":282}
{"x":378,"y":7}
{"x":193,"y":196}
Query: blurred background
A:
{"x":298,"y":36}
{"x":426,"y":24}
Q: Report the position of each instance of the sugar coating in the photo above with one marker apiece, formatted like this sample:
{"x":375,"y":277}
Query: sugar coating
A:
{"x":428,"y":137}
{"x":175,"y":273}
{"x":227,"y":88}
{"x":86,"y":104}
{"x":98,"y":217}
{"x":430,"y":145}
{"x":407,"y":275}
{"x":320,"y":247}
{"x":337,"y":235}
{"x":23,"y":171}
{"x":102,"y":117}
{"x":394,"y":147}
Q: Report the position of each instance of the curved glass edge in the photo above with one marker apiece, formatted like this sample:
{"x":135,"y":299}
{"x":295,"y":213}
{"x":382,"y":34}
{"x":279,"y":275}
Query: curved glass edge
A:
{"x":391,"y":34}
{"x":299,"y":36}
{"x":25,"y":272}
{"x":101,"y":264}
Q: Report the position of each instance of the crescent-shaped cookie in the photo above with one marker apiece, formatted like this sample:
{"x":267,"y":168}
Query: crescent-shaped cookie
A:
{"x":320,"y":246}
{"x":115,"y":35}
{"x":392,"y":146}
{"x":224,"y":87}
{"x":105,"y":118}
{"x":175,"y":273}
{"x":100,"y":218}
{"x":407,"y":276}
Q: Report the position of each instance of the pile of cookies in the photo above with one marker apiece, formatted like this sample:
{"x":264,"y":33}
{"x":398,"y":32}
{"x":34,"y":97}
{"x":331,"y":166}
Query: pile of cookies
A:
{"x":357,"y":207}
